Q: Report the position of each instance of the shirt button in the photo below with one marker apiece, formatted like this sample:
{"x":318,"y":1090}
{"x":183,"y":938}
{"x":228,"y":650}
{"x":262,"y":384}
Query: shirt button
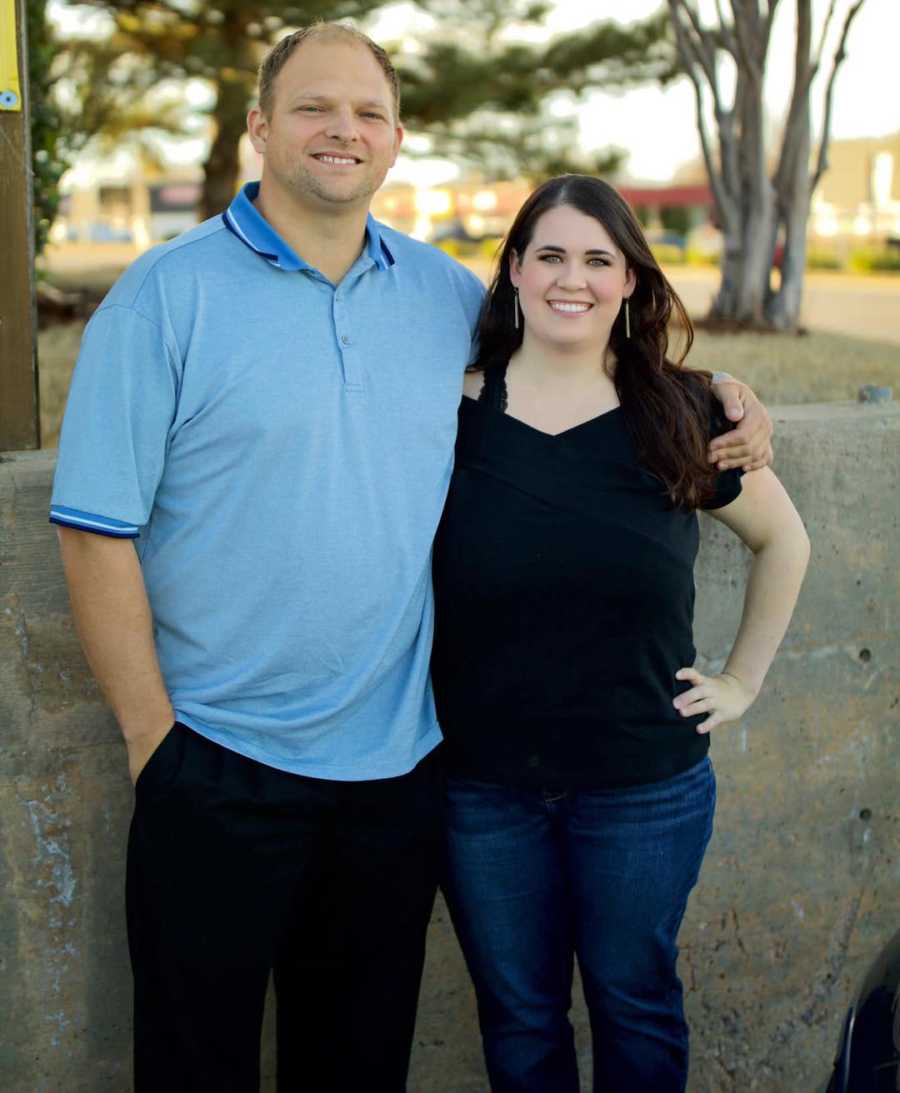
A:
{"x":345,"y":339}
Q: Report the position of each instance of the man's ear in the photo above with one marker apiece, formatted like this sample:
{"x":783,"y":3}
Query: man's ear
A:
{"x":399,"y":134}
{"x":257,"y":129}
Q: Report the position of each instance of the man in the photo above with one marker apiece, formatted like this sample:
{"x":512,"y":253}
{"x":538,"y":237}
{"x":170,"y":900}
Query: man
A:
{"x":269,"y":403}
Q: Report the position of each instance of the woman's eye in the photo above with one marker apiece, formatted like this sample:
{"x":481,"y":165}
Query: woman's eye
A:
{"x":550,"y":258}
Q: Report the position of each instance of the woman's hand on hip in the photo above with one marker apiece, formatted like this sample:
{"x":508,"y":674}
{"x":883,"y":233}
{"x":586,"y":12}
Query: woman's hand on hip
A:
{"x":724,"y":697}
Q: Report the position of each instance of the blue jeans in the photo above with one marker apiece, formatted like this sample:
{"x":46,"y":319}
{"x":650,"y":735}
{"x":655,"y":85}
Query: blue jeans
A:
{"x":535,"y":878}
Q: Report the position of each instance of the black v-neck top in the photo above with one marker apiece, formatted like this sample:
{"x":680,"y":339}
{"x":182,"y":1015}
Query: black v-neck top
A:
{"x":564,"y":595}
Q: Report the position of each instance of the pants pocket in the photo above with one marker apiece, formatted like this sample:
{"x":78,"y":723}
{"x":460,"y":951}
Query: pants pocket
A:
{"x":161,"y":769}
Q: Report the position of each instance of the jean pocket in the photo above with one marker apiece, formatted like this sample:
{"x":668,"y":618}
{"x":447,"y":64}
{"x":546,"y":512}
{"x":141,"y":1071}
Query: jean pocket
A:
{"x":159,"y":772}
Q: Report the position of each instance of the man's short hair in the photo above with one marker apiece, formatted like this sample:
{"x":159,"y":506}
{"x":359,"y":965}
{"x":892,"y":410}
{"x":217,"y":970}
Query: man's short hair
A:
{"x":276,"y":58}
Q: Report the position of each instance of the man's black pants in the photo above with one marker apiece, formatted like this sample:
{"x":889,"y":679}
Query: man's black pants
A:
{"x":235,"y":869}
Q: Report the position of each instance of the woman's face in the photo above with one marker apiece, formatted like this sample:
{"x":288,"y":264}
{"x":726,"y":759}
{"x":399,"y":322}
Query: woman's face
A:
{"x":571,"y":279}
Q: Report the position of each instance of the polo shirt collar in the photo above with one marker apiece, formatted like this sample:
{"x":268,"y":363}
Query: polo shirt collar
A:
{"x":244,"y":220}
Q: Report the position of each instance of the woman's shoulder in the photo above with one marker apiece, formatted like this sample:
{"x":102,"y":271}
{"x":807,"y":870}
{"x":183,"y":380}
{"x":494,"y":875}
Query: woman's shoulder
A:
{"x":473,"y":382}
{"x":701,"y":401}
{"x":694,"y":381}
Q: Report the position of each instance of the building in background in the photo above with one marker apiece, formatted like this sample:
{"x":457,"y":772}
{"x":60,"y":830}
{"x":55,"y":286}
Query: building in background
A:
{"x":858,"y":200}
{"x":116,"y":208}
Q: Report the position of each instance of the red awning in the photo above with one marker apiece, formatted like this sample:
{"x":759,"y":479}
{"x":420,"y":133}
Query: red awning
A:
{"x":667,"y":196}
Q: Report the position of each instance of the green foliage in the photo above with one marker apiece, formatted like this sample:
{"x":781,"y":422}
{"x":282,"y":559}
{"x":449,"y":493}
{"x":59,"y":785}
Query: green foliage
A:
{"x":676,"y":218}
{"x":48,"y":153}
{"x":875,"y":260}
{"x":480,"y":94}
{"x":133,"y":79}
{"x":822,"y":258}
{"x":693,"y":256}
{"x":667,"y":254}
{"x":492,"y":100}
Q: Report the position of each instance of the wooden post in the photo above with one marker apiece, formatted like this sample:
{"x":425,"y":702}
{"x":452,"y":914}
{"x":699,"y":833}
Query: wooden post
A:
{"x":19,"y":412}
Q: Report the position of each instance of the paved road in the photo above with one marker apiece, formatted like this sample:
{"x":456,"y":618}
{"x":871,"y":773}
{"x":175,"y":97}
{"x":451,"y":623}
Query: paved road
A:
{"x":868,"y":307}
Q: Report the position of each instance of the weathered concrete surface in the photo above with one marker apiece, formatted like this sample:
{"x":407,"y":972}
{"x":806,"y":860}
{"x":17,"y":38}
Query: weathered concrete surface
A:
{"x":800,"y":887}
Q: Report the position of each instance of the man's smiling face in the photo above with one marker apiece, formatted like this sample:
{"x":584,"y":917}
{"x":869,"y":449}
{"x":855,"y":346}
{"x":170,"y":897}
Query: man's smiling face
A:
{"x":332,"y":134}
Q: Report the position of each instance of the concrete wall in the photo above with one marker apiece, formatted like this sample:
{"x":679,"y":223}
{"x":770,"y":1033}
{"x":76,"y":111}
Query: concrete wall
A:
{"x":800,"y":887}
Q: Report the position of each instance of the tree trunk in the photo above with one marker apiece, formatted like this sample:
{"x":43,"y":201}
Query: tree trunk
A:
{"x":221,"y":168}
{"x":747,"y":258}
{"x":751,"y":209}
{"x":792,"y":181}
{"x":783,"y":310}
{"x":756,"y":257}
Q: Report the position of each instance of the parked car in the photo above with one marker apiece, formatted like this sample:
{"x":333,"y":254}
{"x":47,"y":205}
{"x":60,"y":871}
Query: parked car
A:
{"x":868,"y":1057}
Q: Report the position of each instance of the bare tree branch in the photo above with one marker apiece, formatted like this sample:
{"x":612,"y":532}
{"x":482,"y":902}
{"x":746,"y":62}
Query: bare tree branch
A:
{"x":687,"y":52}
{"x":746,"y":55}
{"x":796,"y":130}
{"x":701,"y":40}
{"x":770,"y":17}
{"x":726,"y":34}
{"x":839,"y":57}
{"x":826,"y":26}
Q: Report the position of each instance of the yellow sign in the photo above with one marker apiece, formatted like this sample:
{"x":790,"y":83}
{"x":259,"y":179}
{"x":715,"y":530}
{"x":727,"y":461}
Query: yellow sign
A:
{"x":10,"y":91}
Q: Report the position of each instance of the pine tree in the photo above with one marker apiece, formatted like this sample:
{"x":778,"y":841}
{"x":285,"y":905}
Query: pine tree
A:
{"x":480,"y":93}
{"x":483,"y":93}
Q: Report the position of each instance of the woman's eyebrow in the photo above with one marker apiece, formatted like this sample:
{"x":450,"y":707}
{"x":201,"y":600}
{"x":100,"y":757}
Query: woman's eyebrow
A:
{"x":562,"y":250}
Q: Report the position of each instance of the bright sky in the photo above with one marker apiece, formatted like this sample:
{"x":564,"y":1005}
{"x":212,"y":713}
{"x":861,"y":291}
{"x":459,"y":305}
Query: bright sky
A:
{"x":656,"y":127}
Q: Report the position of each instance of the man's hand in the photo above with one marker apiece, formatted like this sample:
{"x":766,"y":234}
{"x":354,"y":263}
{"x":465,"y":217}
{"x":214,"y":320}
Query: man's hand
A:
{"x":748,"y":445}
{"x":724,"y":697}
{"x":142,"y":746}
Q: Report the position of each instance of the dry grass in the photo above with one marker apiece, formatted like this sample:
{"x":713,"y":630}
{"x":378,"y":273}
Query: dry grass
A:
{"x":816,"y":367}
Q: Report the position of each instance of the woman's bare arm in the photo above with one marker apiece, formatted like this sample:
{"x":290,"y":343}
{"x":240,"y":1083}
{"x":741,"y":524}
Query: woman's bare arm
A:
{"x":767,"y":522}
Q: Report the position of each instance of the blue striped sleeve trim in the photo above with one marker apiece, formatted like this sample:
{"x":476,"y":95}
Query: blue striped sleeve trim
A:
{"x":89,"y":521}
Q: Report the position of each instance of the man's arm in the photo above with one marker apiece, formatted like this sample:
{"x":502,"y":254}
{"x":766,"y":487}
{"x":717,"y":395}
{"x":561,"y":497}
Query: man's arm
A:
{"x":115,"y":625}
{"x":749,"y":444}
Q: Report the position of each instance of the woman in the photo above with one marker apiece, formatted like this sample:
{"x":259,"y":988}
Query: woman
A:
{"x":580,"y":796}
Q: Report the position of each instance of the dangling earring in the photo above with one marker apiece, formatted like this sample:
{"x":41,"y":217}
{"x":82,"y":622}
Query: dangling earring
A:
{"x":627,"y":319}
{"x":515,"y":309}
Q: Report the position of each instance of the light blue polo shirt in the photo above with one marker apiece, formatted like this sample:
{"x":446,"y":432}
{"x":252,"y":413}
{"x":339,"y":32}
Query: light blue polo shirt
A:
{"x":281,"y":448}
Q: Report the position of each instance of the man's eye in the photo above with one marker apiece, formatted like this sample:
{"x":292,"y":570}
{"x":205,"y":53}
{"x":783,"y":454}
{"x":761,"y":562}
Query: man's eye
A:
{"x":309,"y":109}
{"x":373,"y":114}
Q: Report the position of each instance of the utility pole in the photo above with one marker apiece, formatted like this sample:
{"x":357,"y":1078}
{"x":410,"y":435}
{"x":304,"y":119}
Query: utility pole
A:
{"x":19,"y":413}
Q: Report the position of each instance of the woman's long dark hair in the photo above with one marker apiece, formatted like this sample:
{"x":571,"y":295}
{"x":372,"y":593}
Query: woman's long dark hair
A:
{"x":666,"y":407}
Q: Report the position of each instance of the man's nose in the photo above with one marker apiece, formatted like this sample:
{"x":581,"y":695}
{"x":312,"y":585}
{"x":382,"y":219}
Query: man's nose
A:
{"x":342,"y":125}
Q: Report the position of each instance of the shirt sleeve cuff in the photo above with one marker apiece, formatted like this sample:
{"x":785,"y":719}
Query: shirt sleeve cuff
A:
{"x":89,"y":521}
